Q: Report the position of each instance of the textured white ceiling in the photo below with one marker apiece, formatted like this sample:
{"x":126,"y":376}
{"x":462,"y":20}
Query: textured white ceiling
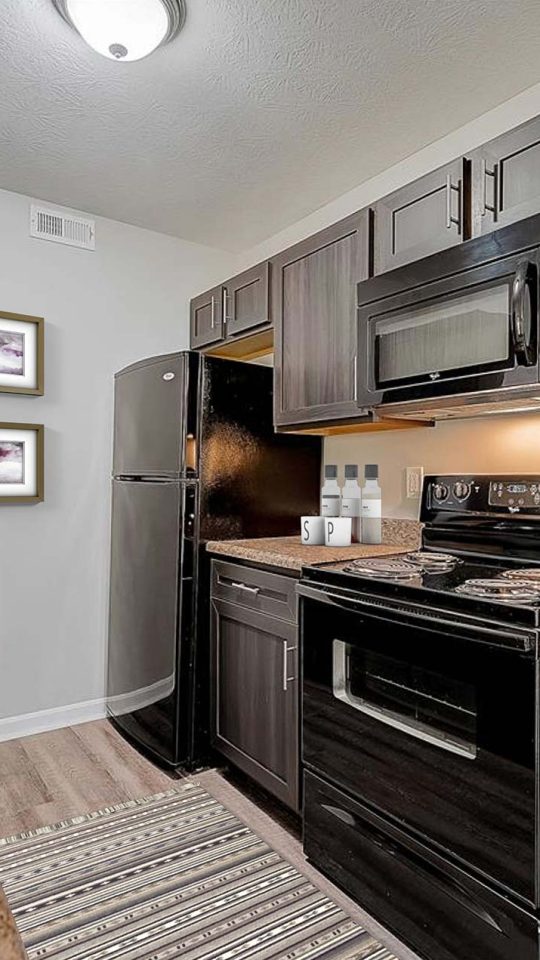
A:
{"x":257,"y":114}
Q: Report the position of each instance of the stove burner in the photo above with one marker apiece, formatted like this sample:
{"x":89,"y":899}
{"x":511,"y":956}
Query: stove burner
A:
{"x":383,"y":569}
{"x":432,"y":562}
{"x":530,"y":574}
{"x":409,"y":566}
{"x":503,"y":591}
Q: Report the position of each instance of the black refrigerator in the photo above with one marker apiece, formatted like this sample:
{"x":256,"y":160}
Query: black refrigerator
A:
{"x":195,"y":459}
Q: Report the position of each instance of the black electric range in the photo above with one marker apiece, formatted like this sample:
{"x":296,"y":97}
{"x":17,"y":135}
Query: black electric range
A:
{"x":500,"y":589}
{"x":421,"y":724}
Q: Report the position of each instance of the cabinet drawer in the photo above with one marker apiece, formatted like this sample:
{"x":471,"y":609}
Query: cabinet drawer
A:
{"x":435,"y":908}
{"x":268,"y":593}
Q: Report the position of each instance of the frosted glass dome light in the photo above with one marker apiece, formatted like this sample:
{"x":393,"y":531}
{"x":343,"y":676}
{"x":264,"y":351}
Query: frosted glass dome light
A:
{"x":124,"y":29}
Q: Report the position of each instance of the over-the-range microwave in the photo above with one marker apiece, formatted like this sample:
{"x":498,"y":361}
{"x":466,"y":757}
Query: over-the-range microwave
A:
{"x":455,"y":334}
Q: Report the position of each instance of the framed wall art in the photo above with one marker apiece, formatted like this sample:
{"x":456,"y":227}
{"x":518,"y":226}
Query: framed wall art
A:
{"x":21,"y":354}
{"x":21,"y":463}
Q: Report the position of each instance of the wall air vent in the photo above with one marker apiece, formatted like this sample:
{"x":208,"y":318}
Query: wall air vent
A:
{"x":47,"y":224}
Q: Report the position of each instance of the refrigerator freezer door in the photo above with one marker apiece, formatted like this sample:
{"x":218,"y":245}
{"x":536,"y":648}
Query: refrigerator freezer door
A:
{"x":150,"y":418}
{"x":147,"y":567}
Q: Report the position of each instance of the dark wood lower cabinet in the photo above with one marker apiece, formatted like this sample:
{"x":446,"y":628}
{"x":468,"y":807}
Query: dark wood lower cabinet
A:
{"x":255,"y":716}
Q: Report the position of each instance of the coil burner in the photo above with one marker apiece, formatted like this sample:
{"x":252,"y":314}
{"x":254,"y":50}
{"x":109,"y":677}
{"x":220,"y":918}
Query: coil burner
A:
{"x":382,"y":568}
{"x":406,"y":567}
{"x":530,"y":574}
{"x":502,"y":590}
{"x":432,"y":562}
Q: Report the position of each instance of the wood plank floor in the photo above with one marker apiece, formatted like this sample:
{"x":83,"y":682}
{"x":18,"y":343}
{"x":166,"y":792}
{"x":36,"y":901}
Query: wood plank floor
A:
{"x":57,"y":775}
{"x":65,"y":773}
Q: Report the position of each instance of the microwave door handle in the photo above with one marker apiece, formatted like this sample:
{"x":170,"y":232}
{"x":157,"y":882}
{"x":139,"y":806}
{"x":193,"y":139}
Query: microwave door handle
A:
{"x":520,"y":296}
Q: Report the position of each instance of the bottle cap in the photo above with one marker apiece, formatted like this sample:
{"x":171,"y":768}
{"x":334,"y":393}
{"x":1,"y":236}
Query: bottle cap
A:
{"x":330,"y":471}
{"x":371,"y":471}
{"x":351,"y":471}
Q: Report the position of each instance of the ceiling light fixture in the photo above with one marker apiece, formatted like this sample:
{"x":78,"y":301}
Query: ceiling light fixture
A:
{"x":124,"y":29}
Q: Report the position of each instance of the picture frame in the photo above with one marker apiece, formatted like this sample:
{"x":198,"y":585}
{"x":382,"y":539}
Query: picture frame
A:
{"x":21,"y":463}
{"x":21,"y":354}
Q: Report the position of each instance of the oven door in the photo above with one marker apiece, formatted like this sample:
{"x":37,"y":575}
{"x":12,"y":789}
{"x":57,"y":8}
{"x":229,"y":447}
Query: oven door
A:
{"x":431,"y":722}
{"x":474,"y":332}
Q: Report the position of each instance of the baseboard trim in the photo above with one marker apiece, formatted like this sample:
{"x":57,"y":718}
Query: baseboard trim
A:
{"x":72,"y":713}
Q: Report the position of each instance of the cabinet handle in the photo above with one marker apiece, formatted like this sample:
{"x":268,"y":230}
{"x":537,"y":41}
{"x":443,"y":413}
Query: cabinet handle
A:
{"x":449,"y":218}
{"x":244,"y":586}
{"x":212,"y":313}
{"x":495,"y":175}
{"x":355,"y":377}
{"x":286,"y":679}
{"x":226,"y":299}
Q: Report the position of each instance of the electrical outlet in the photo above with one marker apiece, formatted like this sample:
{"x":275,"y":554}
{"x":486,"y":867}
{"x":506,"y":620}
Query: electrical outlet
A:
{"x":415,"y":476}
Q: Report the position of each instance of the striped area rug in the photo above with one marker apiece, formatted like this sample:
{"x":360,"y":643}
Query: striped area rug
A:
{"x":171,"y":875}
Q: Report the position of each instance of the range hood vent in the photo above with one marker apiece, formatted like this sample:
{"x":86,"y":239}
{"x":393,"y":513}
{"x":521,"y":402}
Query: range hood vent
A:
{"x":54,"y":225}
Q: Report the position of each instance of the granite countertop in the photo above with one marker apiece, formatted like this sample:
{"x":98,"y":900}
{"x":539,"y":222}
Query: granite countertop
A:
{"x":289,"y":553}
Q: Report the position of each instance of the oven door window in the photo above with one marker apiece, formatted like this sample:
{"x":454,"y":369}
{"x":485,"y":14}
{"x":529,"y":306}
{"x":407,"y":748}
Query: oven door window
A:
{"x":438,"y":709}
{"x":447,"y":337}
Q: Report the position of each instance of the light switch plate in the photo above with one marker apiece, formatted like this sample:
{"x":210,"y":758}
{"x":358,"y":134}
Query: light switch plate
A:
{"x":415,"y":477}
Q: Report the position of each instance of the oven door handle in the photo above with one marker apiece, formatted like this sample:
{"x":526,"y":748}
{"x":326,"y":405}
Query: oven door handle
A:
{"x":521,"y":295}
{"x":517,"y":641}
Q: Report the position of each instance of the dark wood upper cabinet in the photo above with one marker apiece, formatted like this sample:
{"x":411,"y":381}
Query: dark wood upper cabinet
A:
{"x":206,"y":318}
{"x":423,"y":217}
{"x":506,"y":178}
{"x":314,"y":312}
{"x":247,"y":300}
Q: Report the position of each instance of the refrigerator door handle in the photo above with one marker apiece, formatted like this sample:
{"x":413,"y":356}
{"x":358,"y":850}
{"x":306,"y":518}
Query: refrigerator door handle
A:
{"x":139,"y":478}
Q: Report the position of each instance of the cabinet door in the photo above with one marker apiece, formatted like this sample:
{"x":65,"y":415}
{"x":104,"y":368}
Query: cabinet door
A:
{"x":424,"y":217}
{"x":314,"y":308}
{"x":247,"y":300}
{"x":506,"y":178}
{"x":255,"y":697}
{"x":206,"y":318}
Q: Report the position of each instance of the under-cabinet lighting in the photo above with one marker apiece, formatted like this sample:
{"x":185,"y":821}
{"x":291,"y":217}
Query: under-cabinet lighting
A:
{"x":494,"y":413}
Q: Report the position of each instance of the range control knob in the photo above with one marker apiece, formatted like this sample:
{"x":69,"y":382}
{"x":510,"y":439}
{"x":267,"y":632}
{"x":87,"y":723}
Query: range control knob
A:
{"x":462,"y":490}
{"x":440,"y":492}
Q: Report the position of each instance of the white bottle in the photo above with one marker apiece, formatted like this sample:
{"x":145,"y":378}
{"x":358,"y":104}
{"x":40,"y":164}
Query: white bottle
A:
{"x":330,"y":493}
{"x":351,"y":501}
{"x":371,"y":506}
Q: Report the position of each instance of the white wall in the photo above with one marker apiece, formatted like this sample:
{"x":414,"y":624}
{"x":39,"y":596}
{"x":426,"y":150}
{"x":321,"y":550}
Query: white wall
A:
{"x":507,"y":115}
{"x":127,"y":300}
